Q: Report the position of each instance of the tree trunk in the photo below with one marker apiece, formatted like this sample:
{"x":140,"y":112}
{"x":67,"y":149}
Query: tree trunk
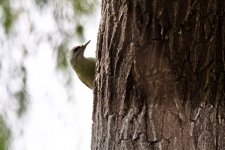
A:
{"x":160,"y":81}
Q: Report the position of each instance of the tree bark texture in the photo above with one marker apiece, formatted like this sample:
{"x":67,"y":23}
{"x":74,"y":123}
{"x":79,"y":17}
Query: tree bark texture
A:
{"x":160,"y":77}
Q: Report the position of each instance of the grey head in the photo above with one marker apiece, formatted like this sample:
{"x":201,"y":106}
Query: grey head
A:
{"x":78,"y":52}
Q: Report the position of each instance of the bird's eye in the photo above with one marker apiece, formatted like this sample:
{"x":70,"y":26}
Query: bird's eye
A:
{"x":76,"y":49}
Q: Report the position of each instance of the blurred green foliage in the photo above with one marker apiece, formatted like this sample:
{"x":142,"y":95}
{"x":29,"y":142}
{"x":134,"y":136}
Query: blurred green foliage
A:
{"x":79,"y":30}
{"x":61,"y":57}
{"x":4,"y":134}
{"x":41,"y":3}
{"x":84,"y":6}
{"x":21,"y":95}
{"x":7,"y":17}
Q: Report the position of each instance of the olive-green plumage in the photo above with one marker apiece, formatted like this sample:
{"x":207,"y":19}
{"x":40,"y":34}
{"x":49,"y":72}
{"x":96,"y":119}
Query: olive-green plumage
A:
{"x":85,"y":70}
{"x":84,"y":67}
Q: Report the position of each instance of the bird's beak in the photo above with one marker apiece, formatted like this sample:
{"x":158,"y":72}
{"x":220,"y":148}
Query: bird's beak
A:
{"x":86,"y":44}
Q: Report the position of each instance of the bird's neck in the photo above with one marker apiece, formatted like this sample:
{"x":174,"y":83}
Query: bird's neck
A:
{"x":78,"y":62}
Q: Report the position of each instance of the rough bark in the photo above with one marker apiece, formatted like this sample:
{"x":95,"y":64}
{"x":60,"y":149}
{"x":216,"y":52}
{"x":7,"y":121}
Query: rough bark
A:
{"x":160,"y":81}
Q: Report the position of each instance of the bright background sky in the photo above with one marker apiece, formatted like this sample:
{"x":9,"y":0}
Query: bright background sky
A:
{"x":52,"y":120}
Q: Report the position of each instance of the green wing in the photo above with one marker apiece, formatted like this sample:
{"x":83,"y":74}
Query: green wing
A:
{"x":86,"y":84}
{"x":86,"y":72}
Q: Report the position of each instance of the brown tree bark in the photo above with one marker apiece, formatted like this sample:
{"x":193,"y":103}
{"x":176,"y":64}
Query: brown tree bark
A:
{"x":160,"y":81}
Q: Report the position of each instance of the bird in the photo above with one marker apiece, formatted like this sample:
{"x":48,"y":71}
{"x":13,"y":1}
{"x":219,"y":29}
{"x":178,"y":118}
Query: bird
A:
{"x":84,"y":67}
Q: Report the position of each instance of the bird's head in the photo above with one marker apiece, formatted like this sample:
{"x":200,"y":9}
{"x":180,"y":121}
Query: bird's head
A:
{"x":78,"y":52}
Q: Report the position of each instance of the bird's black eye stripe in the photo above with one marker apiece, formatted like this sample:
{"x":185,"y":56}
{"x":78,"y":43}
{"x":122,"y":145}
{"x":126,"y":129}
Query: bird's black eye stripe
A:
{"x":76,"y":48}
